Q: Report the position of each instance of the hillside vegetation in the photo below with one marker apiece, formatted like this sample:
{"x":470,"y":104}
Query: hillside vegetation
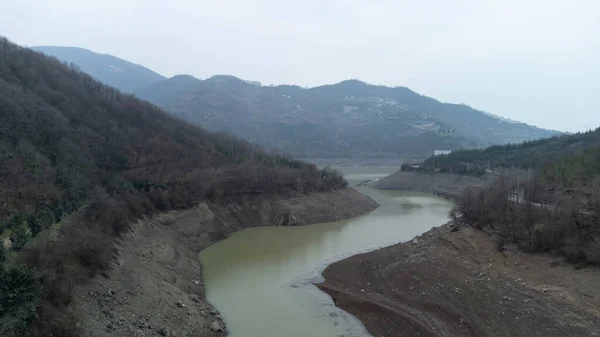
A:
{"x":344,"y":120}
{"x":108,"y":69}
{"x":527,"y":155}
{"x":70,"y":145}
{"x":556,"y":210}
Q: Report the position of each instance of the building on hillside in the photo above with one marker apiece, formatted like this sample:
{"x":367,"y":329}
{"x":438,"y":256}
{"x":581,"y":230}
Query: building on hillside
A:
{"x":441,"y":152}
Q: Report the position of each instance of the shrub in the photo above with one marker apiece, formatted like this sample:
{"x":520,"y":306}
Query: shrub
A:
{"x":20,"y":292}
{"x":91,"y":249}
{"x":2,"y":253}
{"x":40,"y":220}
{"x":19,"y":237}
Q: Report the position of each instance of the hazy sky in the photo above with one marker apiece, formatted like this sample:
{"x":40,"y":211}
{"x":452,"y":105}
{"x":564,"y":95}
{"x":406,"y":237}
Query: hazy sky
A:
{"x":529,"y":60}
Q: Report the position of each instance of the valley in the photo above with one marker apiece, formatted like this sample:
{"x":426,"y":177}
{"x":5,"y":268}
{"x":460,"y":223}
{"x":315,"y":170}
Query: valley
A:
{"x":130,"y":207}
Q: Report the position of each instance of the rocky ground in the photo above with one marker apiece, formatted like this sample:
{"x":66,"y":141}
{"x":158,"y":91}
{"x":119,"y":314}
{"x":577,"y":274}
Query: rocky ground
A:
{"x":155,"y":286}
{"x":458,"y":281}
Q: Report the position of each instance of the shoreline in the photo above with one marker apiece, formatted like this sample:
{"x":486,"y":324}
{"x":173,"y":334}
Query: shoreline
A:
{"x":445,"y":185}
{"x":155,"y":287}
{"x":454,"y":281}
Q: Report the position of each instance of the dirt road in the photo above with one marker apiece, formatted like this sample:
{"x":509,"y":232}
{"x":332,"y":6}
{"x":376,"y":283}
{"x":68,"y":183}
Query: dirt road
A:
{"x":451,"y":282}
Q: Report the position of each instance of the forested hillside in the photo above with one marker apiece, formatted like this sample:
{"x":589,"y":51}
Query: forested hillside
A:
{"x":528,"y":155}
{"x":71,"y":145}
{"x":556,"y":210}
{"x":108,"y":69}
{"x":344,"y":120}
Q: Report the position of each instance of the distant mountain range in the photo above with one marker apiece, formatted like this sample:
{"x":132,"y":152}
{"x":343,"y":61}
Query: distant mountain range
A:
{"x":351,"y":119}
{"x":108,"y":69}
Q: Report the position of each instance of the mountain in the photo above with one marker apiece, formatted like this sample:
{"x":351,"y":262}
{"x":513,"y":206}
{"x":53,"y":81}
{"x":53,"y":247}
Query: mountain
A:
{"x":351,"y":119}
{"x":108,"y":69}
{"x":70,"y":145}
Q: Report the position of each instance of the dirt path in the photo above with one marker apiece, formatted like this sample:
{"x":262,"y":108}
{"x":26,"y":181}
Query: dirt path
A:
{"x":457,"y":283}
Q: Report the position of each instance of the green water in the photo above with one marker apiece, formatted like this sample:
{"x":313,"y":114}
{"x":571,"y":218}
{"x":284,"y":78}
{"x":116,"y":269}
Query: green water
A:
{"x":261,"y":279}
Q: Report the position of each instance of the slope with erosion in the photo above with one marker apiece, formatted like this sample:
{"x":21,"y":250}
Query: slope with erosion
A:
{"x":108,"y":69}
{"x":156,"y":285}
{"x":80,"y":162}
{"x":348,"y":119}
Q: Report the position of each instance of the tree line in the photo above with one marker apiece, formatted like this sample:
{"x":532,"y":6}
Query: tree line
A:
{"x":527,"y":155}
{"x":559,"y":220}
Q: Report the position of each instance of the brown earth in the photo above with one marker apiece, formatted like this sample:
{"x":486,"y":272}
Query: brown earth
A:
{"x":455,"y":281}
{"x":155,"y":286}
{"x":446,"y":185}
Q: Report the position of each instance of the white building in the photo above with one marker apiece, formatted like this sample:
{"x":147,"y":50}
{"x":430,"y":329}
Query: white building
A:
{"x":441,"y":152}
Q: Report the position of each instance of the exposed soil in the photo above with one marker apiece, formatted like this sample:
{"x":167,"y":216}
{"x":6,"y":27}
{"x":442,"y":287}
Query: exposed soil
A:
{"x":155,"y":286}
{"x":446,"y":185}
{"x":454,"y":281}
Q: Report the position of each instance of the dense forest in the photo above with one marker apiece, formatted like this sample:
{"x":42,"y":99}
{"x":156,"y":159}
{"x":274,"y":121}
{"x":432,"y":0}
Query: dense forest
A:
{"x":73,"y":148}
{"x":527,"y":155}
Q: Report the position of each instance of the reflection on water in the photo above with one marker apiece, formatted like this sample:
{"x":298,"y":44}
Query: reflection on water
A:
{"x":261,"y":278}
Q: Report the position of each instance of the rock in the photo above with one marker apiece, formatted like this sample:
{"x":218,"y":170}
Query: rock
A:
{"x":545,"y":290}
{"x":180,"y":304}
{"x":362,"y":290}
{"x":194,"y":298}
{"x":216,"y":327}
{"x":415,"y":241}
{"x":189,"y":313}
{"x":214,"y":312}
{"x":517,"y":263}
{"x":163,"y":331}
{"x":368,"y":284}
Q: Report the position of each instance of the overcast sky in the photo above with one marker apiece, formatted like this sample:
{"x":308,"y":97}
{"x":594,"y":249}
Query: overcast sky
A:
{"x":529,"y":60}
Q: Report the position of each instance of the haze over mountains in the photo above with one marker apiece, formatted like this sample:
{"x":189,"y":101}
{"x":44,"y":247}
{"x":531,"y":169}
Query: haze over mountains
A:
{"x":351,"y":119}
{"x":108,"y":69}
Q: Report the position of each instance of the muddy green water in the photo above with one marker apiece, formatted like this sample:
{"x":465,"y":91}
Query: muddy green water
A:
{"x":261,"y":279}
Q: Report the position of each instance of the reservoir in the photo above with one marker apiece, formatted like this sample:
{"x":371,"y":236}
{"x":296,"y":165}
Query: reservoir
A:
{"x":261,"y":279}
